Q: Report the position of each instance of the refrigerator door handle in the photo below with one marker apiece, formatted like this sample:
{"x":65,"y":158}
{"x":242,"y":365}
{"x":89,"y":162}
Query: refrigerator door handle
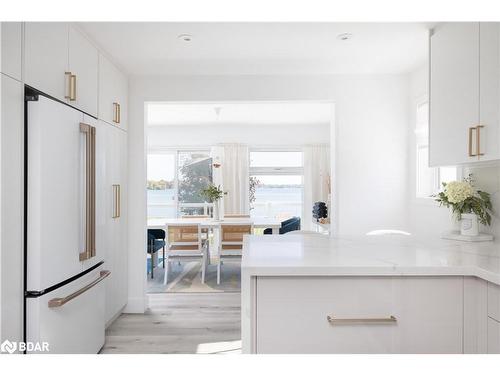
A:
{"x":89,"y":250}
{"x":58,"y":302}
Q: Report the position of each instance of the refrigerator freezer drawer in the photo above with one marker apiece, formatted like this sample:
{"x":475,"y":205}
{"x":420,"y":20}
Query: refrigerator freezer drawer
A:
{"x":70,"y":319}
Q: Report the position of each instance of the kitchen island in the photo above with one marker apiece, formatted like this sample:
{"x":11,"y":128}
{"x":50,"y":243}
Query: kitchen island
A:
{"x":372,"y":294}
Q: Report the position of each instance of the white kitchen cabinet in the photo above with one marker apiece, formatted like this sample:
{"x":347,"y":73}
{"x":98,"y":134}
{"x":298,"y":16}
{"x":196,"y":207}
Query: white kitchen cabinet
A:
{"x":46,"y":57}
{"x":83,"y":64}
{"x":419,"y":315}
{"x":113,"y":94}
{"x":493,"y":336}
{"x":11,"y":42}
{"x":454,"y":91}
{"x":11,"y":246}
{"x":464,"y":93}
{"x":61,"y":62}
{"x":489,"y":90}
{"x":114,"y":216}
{"x":475,"y":315}
{"x":494,"y":301}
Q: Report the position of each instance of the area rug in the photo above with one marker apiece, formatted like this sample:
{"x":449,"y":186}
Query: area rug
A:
{"x":186,"y":278}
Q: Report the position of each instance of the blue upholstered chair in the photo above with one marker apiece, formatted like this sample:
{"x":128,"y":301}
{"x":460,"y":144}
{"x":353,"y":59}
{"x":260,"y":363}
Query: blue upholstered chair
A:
{"x":287,"y":226}
{"x":156,"y":241}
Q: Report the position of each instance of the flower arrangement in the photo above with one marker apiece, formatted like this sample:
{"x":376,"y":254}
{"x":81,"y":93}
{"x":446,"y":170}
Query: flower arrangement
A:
{"x":213,"y":193}
{"x":464,"y":199}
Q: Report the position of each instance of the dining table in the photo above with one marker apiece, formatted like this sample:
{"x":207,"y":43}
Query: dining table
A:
{"x":257,"y":222}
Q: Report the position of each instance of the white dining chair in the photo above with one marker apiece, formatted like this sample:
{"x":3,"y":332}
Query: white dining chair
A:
{"x":231,"y":242}
{"x":186,"y":242}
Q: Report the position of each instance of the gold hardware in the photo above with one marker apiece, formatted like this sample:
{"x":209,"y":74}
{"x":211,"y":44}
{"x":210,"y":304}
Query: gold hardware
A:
{"x":333,"y":320}
{"x":58,"y":302}
{"x":478,"y":141}
{"x":116,"y":113}
{"x":116,"y":201}
{"x":72,"y":86}
{"x":89,"y":250}
{"x":471,"y":130}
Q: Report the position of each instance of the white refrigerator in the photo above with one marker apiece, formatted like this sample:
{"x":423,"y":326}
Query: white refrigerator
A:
{"x":64,"y":270}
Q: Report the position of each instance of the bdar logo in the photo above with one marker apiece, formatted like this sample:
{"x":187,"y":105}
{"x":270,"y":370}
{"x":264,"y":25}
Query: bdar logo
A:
{"x":8,"y":347}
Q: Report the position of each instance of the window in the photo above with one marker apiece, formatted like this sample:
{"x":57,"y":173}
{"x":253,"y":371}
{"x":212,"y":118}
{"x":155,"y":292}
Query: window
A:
{"x":278,"y":178}
{"x":429,"y":180}
{"x":175,"y":180}
{"x":194,"y":175}
{"x":161,"y":185}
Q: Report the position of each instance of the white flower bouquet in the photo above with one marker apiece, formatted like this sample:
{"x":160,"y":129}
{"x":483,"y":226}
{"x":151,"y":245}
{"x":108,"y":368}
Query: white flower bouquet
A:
{"x":463,"y":199}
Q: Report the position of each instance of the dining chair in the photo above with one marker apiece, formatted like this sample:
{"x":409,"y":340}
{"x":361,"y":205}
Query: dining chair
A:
{"x":185,"y":242}
{"x":231,"y":242}
{"x":156,"y":241}
{"x":236,"y":216}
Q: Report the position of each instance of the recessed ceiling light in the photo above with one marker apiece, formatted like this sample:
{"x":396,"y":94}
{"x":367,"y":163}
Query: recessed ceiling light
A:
{"x":185,"y":37}
{"x":344,"y":36}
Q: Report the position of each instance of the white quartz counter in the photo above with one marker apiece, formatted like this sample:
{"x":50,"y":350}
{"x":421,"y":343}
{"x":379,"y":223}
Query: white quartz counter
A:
{"x":389,"y":255}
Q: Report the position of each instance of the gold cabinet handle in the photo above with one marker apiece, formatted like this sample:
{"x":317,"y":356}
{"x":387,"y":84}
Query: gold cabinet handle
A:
{"x":471,"y":131}
{"x":116,"y":113}
{"x":58,"y":302}
{"x":89,"y":250}
{"x":116,"y":201}
{"x":478,"y":140}
{"x":72,"y":86}
{"x":332,"y":320}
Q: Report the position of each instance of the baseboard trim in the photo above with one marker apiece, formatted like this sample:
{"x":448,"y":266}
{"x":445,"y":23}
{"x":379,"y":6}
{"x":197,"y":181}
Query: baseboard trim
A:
{"x":114,"y":317}
{"x":135,"y":306}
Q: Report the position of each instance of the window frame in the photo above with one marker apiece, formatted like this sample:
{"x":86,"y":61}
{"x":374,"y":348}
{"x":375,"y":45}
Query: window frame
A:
{"x":176,"y":204}
{"x":278,"y":171}
{"x":422,"y":140}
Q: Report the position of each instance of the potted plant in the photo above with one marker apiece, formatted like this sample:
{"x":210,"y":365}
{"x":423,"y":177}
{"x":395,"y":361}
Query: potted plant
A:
{"x":213,"y":194}
{"x":469,"y":206}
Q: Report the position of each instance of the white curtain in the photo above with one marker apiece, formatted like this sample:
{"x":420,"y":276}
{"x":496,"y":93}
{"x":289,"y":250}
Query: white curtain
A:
{"x":234,"y":177}
{"x":316,"y":180}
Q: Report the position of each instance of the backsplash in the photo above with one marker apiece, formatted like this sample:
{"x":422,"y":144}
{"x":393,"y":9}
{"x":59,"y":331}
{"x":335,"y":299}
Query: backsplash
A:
{"x":488,"y":179}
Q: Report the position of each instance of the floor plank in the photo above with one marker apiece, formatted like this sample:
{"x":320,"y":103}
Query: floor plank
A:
{"x":180,"y":323}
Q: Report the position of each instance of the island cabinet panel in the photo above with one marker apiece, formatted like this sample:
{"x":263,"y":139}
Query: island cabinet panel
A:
{"x":493,"y":336}
{"x":494,"y":301}
{"x":359,"y":315}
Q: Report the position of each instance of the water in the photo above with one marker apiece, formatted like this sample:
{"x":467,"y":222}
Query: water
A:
{"x":283,"y":202}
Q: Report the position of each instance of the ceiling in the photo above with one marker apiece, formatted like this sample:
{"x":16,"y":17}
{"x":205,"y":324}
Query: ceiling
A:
{"x":277,"y":113}
{"x":261,"y":48}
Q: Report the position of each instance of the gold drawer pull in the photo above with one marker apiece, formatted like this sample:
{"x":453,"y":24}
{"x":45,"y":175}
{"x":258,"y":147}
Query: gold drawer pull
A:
{"x":332,"y":320}
{"x":478,"y":140}
{"x":471,"y":130}
{"x":116,"y":113}
{"x":116,"y":201}
{"x":72,"y":86}
{"x":58,"y":302}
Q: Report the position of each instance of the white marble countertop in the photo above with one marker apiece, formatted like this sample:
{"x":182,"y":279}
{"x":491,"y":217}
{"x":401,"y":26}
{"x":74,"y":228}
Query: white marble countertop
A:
{"x":389,"y":255}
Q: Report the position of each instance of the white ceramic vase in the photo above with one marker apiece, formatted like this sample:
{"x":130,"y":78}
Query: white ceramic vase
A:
{"x":216,"y":211}
{"x":469,"y":225}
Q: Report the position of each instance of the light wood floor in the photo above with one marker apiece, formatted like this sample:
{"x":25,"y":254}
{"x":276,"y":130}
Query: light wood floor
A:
{"x":180,"y":323}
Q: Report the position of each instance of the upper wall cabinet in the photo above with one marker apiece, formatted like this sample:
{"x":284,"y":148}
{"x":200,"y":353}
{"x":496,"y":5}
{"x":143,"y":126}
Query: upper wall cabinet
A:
{"x":46,"y":57}
{"x":464,"y":93}
{"x":113,"y":88}
{"x":61,"y":62}
{"x":11,"y":49}
{"x":83,"y":65}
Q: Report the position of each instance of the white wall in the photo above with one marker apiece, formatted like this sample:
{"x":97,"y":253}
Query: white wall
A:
{"x":252,"y":135}
{"x":369,"y":145}
{"x":426,"y":217}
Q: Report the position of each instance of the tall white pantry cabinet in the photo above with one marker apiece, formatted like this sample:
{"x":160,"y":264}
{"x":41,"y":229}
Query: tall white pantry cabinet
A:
{"x":58,"y":60}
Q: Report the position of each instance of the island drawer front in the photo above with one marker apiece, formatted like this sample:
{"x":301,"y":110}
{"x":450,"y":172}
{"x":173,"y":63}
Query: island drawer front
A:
{"x":494,"y":301}
{"x":291,"y":315}
{"x":493,"y":336}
